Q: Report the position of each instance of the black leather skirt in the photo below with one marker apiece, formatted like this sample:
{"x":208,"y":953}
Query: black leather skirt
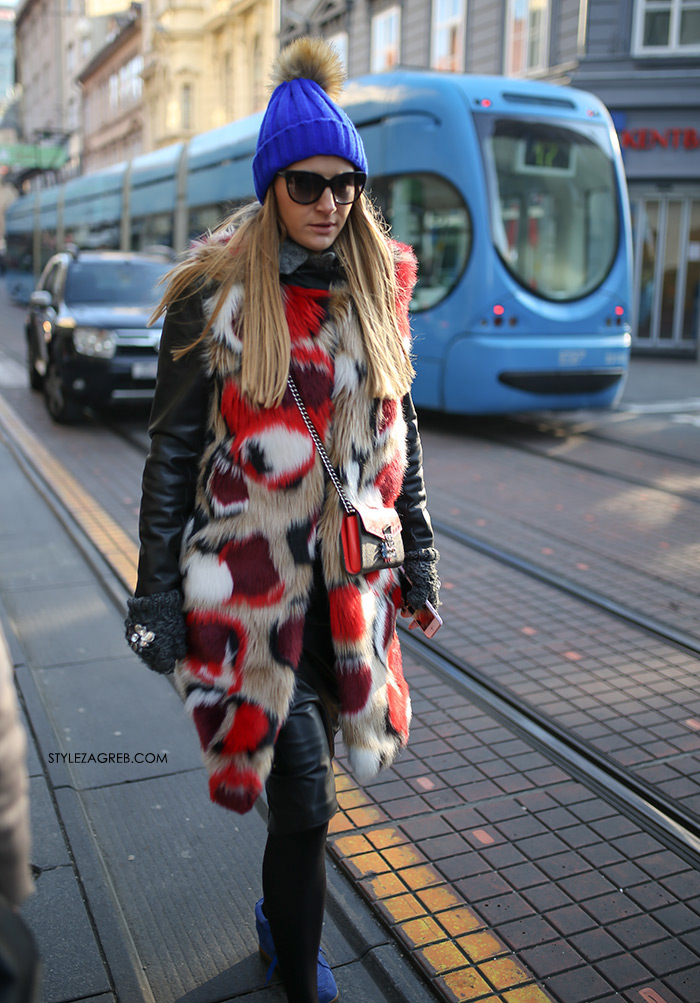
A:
{"x":301,"y":785}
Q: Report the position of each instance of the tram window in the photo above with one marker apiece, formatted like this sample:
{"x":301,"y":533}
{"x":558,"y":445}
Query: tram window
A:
{"x":207,"y":217}
{"x":554,"y":207}
{"x":152,"y":231}
{"x":428,"y":213}
{"x":20,"y":251}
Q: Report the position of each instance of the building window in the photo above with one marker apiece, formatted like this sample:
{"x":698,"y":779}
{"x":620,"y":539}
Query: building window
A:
{"x":186,"y":106}
{"x":667,"y":26}
{"x":339,"y":41}
{"x":527,"y":28}
{"x":386,"y":30}
{"x":448,"y":35}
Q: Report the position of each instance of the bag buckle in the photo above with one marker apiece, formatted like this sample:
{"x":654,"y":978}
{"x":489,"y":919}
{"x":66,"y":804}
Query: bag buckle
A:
{"x":388,"y":545}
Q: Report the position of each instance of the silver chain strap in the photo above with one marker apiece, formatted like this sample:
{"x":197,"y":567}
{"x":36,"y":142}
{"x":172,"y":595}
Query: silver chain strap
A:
{"x":330,"y":469}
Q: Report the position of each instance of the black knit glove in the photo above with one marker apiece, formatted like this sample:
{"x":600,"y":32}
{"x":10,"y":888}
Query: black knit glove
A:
{"x":155,"y":629}
{"x":419,"y":581}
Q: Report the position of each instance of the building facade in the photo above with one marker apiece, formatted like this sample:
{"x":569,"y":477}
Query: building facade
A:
{"x":112,"y":89}
{"x":51,"y":43}
{"x":206,"y":62}
{"x":642,"y":57}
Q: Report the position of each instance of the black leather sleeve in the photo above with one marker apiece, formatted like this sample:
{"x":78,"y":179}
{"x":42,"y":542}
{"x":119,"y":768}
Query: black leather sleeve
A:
{"x":412,"y":506}
{"x":177,"y":429}
{"x":419,"y":581}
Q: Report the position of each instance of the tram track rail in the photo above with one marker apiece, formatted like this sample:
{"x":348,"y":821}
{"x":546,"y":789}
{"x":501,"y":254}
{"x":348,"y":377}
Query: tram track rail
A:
{"x":667,"y":632}
{"x":676,"y":828}
{"x":591,"y":468}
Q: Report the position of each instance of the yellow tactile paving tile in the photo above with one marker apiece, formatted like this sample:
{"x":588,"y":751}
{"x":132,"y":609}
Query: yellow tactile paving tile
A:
{"x":438,"y":898}
{"x":459,"y":921}
{"x":419,"y":932}
{"x":482,"y":945}
{"x":366,"y":864}
{"x":442,"y":957}
{"x":402,"y":907}
{"x":383,"y":838}
{"x":465,"y":984}
{"x":504,"y":973}
{"x":528,"y":994}
{"x":465,"y":960}
{"x":403,"y":856}
{"x":420,"y":877}
{"x":361,"y":817}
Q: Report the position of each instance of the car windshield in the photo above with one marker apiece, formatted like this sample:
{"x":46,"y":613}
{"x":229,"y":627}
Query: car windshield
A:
{"x":117,"y":283}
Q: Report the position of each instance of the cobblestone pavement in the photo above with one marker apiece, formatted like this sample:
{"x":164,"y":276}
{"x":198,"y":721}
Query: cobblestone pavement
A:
{"x":503,"y":874}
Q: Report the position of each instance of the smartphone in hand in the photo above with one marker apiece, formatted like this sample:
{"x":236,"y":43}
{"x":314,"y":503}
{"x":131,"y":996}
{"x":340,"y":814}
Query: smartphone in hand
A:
{"x":428,"y":619}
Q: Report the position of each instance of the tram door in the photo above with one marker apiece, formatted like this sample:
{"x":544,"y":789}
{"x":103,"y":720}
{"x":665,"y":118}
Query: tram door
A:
{"x":666,"y":228}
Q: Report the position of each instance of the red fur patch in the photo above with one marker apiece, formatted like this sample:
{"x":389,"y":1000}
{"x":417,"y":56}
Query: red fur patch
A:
{"x":388,"y":411}
{"x":214,"y":641}
{"x":354,"y":685}
{"x":406,"y":275}
{"x":250,"y":728}
{"x":234,"y":788}
{"x":255,"y":578}
{"x":347,"y":615}
{"x":227,"y":487}
{"x":208,"y":718}
{"x":288,"y":642}
{"x":397,"y":692}
{"x":390,"y":481}
{"x":304,"y":310}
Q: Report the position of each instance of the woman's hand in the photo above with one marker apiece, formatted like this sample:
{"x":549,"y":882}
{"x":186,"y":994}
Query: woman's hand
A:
{"x":156,"y":631}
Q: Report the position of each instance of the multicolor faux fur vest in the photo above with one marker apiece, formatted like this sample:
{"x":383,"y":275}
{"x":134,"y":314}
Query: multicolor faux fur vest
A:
{"x":262,"y":504}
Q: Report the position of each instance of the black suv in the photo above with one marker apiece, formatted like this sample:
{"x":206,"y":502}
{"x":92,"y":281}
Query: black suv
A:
{"x":87,"y":339}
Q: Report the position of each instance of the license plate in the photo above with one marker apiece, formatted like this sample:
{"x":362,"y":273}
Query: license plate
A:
{"x":144,"y":370}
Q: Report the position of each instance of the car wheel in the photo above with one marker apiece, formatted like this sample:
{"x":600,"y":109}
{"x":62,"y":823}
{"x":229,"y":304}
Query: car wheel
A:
{"x":36,"y":381}
{"x":62,"y":408}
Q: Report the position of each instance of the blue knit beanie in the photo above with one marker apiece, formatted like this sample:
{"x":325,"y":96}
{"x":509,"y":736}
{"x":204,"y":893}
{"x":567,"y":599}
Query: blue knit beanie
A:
{"x":302,"y":118}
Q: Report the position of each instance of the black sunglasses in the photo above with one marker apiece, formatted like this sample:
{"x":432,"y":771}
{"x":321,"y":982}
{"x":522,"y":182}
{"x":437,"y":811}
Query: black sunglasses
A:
{"x":305,"y":187}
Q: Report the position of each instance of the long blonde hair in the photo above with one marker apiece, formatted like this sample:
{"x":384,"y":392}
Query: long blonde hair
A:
{"x":247,"y":254}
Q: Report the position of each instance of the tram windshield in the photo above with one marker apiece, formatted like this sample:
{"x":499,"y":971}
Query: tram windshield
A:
{"x":554,"y":207}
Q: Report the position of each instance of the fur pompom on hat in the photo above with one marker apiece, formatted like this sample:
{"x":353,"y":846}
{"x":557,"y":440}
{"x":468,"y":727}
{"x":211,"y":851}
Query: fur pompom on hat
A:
{"x":302,"y":118}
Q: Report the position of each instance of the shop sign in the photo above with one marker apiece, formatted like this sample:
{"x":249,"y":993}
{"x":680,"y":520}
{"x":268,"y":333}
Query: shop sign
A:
{"x":668,"y":139}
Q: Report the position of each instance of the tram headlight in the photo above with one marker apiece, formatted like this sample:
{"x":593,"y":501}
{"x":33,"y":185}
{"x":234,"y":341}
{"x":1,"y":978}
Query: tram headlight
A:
{"x":95,"y":342}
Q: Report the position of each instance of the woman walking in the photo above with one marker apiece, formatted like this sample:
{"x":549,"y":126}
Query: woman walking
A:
{"x":242,"y":588}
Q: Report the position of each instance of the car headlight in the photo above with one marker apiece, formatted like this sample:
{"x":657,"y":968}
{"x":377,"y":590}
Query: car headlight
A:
{"x":95,"y":342}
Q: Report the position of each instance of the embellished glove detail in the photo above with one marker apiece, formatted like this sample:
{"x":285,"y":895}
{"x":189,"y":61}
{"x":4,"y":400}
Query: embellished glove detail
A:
{"x":420,"y":582}
{"x":155,"y":629}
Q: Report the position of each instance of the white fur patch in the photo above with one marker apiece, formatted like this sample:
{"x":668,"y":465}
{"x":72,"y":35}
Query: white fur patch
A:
{"x":206,"y":581}
{"x":202,"y":698}
{"x":222,"y":328}
{"x":284,"y":450}
{"x":364,"y":763}
{"x":345,"y":374}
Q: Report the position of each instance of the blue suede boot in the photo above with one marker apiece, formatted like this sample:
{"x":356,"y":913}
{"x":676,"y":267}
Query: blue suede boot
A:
{"x":327,"y":989}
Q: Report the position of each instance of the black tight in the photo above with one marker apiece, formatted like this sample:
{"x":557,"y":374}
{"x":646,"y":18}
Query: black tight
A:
{"x":294,"y":890}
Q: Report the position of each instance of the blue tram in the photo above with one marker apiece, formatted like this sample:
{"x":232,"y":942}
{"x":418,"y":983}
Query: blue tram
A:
{"x":512,"y":193}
